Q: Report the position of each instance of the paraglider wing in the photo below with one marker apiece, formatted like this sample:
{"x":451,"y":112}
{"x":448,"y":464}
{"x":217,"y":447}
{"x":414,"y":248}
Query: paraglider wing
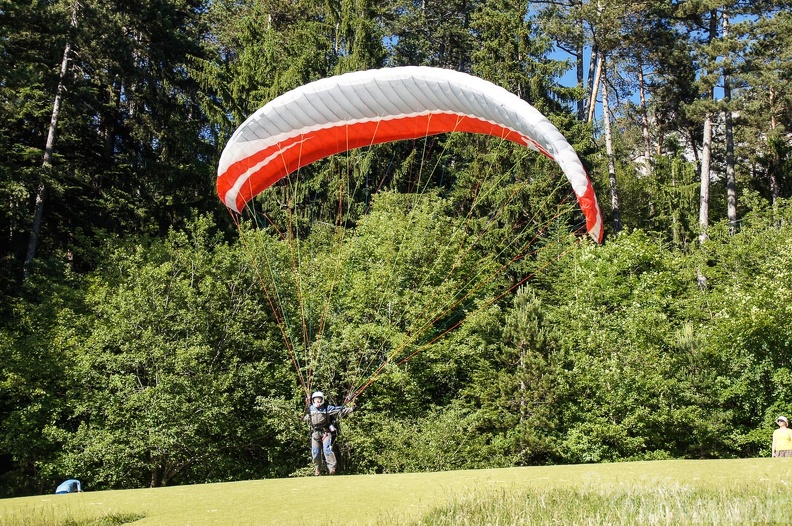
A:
{"x":358,"y":109}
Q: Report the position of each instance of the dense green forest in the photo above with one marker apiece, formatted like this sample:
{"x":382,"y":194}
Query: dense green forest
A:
{"x":148,"y":337}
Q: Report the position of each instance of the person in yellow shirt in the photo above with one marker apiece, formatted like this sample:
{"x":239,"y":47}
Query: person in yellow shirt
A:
{"x":782,"y":438}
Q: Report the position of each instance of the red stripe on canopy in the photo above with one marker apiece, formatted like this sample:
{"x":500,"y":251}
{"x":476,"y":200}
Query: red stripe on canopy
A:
{"x":295,"y":152}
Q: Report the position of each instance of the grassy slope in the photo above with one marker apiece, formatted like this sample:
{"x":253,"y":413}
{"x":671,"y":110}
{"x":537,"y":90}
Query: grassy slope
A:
{"x":365,"y":499}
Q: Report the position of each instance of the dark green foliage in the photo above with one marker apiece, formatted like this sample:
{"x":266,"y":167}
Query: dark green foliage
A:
{"x":123,"y":160}
{"x":432,"y":33}
{"x":165,"y":367}
{"x":154,"y":344}
{"x":173,"y":370}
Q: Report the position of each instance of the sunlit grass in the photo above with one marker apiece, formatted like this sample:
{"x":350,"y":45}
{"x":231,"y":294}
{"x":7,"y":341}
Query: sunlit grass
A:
{"x":52,"y":516}
{"x":765,"y":503}
{"x":741,"y":491}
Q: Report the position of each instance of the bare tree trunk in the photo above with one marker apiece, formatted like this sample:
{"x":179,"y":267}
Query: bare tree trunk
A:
{"x":645,"y":131}
{"x":617,"y":226}
{"x":731,"y":179}
{"x":704,"y":195}
{"x":675,"y":234}
{"x":591,"y":74}
{"x":706,"y":153}
{"x":581,"y":104}
{"x":775,"y":188}
{"x":644,"y":120}
{"x":46,"y":165}
{"x":592,"y":102}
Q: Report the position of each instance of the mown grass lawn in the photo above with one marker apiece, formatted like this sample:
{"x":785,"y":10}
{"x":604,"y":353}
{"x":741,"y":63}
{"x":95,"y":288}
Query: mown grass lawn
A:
{"x":659,"y":492}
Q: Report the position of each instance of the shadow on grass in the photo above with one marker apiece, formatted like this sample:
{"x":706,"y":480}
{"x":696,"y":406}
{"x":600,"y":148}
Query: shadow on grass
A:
{"x":110,"y":519}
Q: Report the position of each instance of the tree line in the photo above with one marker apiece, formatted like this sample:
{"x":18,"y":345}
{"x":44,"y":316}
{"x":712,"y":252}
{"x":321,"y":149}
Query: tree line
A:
{"x":140,"y":349}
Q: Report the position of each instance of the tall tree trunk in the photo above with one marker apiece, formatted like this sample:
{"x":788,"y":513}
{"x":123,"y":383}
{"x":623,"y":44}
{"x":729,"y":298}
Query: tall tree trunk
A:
{"x":579,"y":70}
{"x":706,"y":152}
{"x":46,"y":164}
{"x":644,"y":120}
{"x":617,"y":226}
{"x":675,"y":234}
{"x":731,"y":179}
{"x":704,"y":194}
{"x":645,"y":131}
{"x":775,"y":188}
{"x":592,"y":101}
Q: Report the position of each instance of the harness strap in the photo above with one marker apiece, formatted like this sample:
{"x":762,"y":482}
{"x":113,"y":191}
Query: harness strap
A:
{"x":328,"y":422}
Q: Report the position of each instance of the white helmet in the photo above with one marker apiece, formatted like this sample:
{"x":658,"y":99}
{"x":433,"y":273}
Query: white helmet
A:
{"x":318,"y":394}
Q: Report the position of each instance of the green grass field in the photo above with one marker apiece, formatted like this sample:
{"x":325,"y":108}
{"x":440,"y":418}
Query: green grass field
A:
{"x":661,"y":492}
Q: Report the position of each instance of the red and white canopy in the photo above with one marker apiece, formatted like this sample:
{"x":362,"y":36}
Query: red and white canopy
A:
{"x":358,"y":109}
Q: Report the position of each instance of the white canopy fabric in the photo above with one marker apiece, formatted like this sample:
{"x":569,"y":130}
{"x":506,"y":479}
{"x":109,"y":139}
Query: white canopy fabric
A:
{"x":358,"y":109}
